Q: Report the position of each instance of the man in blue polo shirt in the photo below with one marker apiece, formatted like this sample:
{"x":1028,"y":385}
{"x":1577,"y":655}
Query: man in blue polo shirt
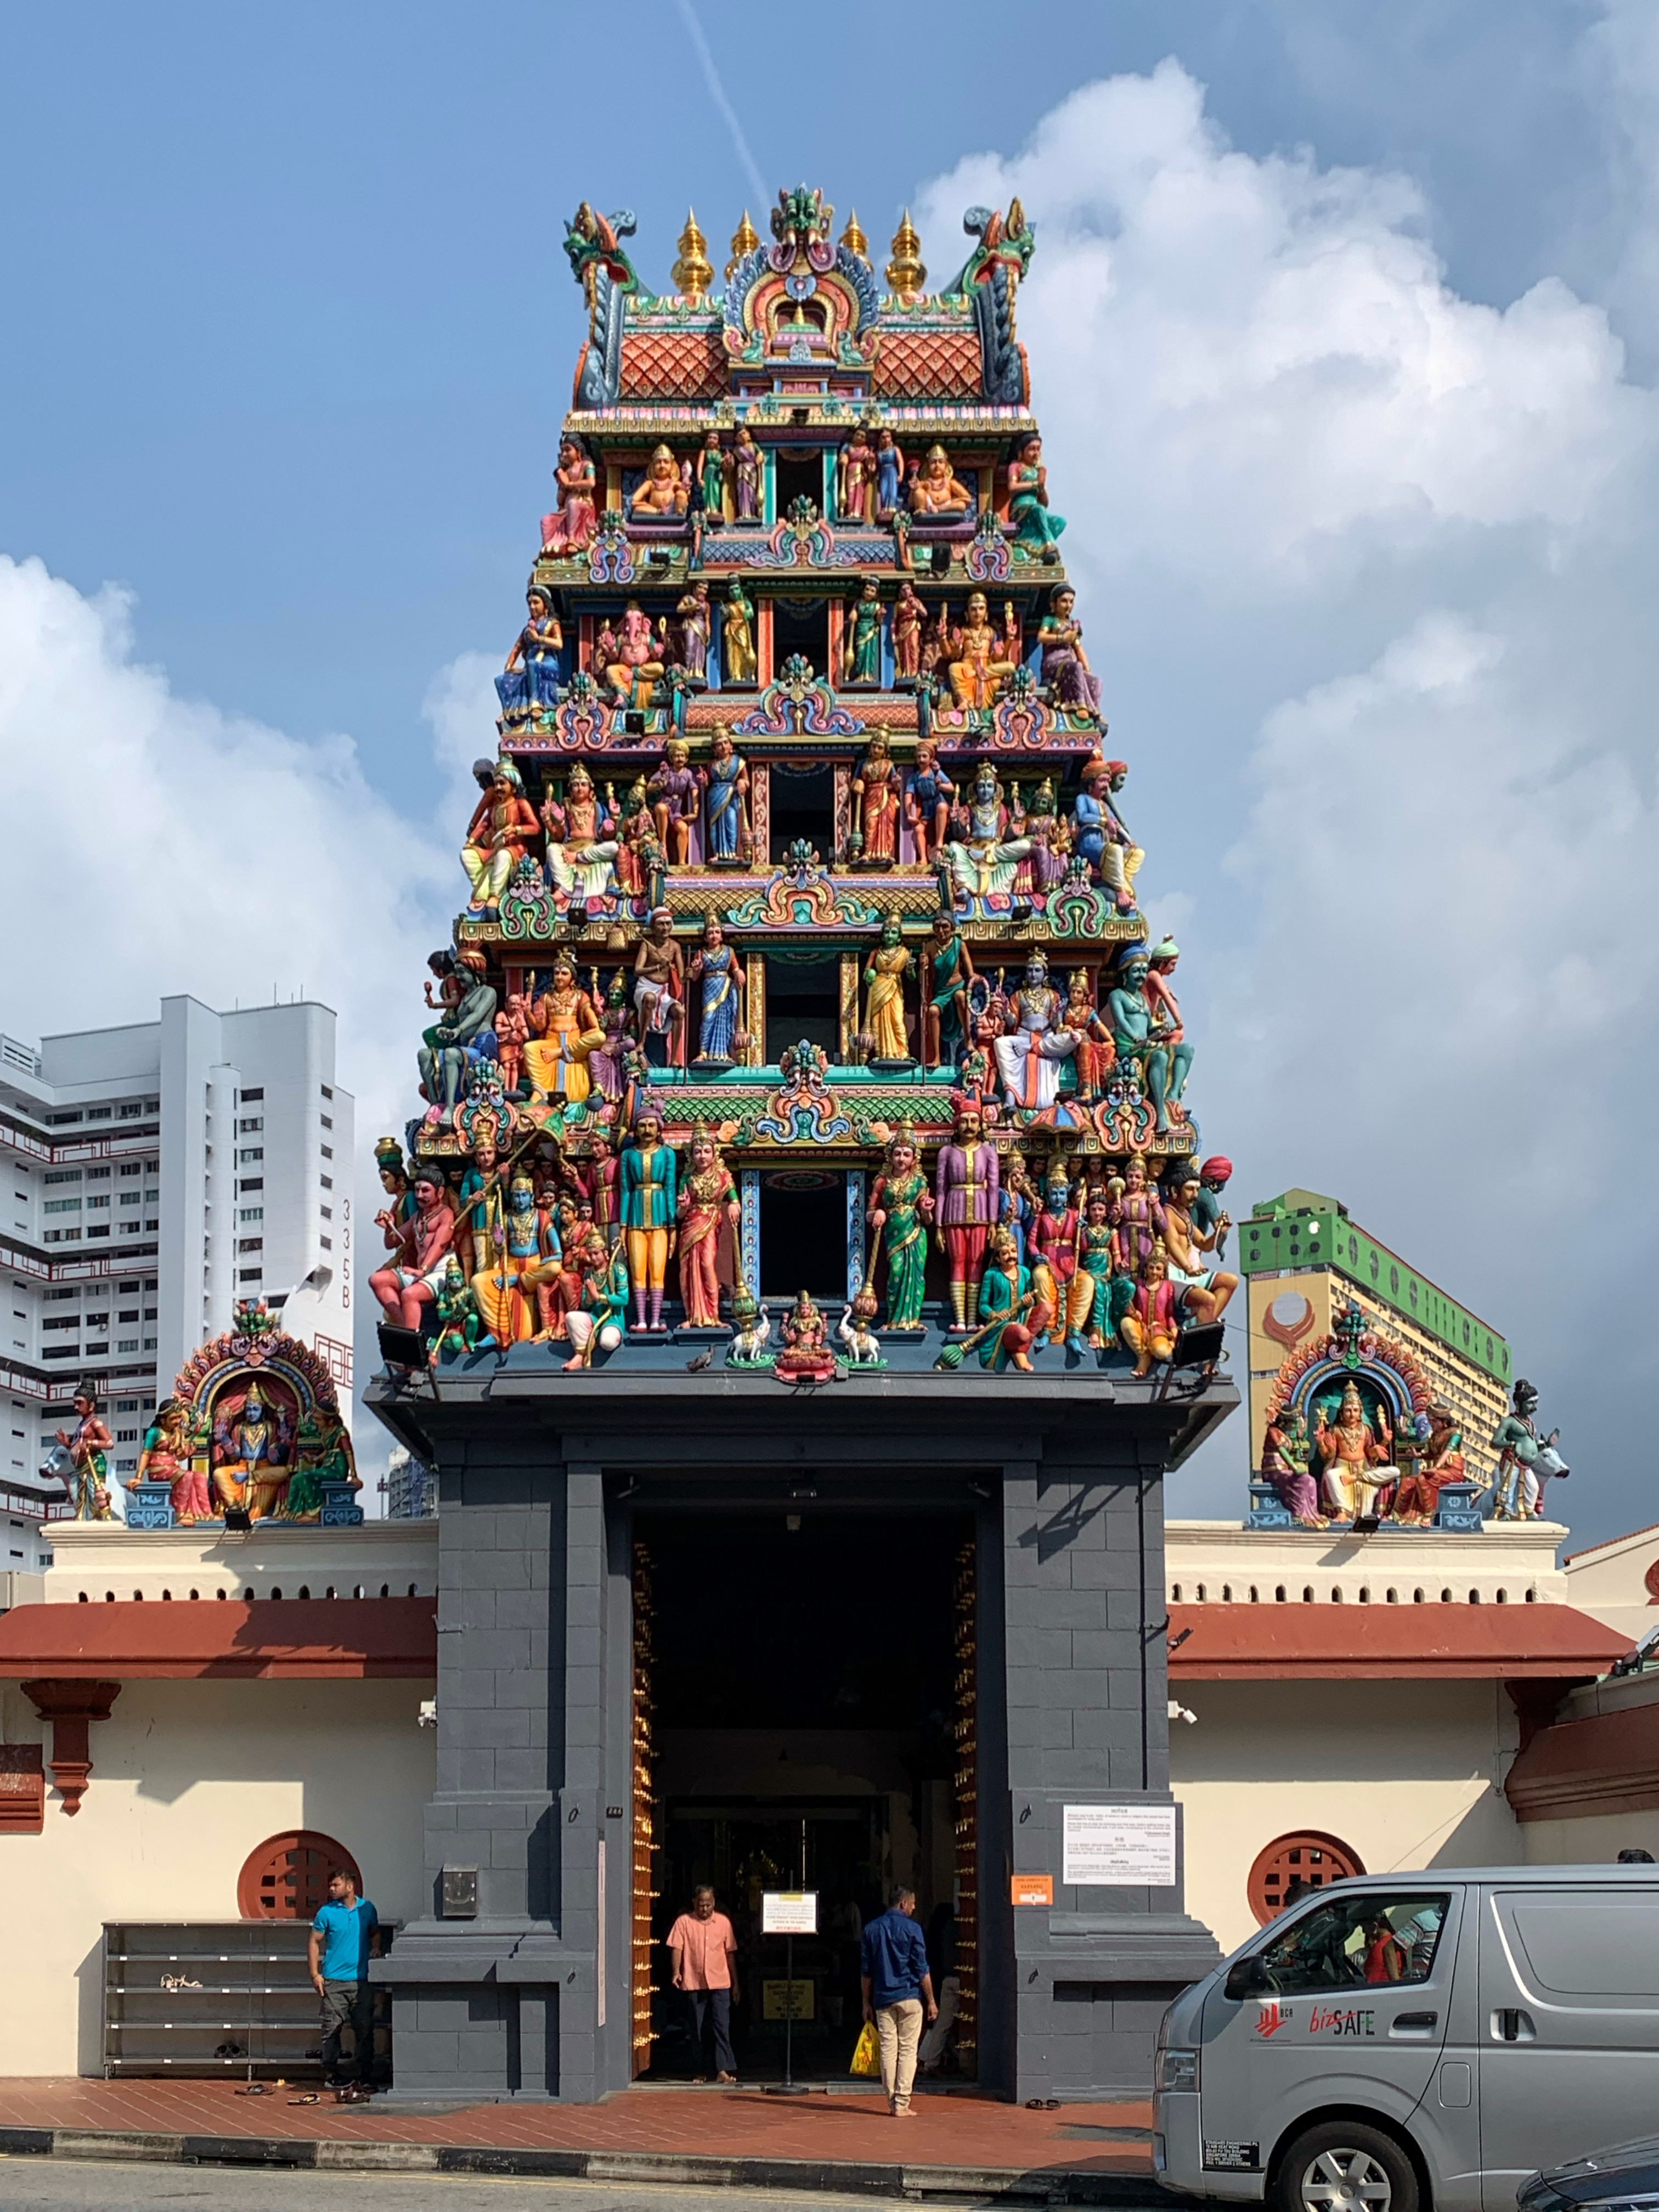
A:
{"x":345,"y":1936}
{"x":898,"y":1989}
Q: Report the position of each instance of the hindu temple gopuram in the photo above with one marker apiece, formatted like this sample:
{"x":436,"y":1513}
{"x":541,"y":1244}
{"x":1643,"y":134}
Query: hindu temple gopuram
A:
{"x":803,"y":1207}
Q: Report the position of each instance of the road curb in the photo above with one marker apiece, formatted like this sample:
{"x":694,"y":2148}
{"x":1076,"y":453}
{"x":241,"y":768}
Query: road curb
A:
{"x":851,"y":2177}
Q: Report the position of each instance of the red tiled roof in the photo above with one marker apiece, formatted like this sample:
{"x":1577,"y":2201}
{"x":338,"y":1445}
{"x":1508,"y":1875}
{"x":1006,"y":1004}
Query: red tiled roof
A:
{"x":299,"y":1638}
{"x":672,"y":365}
{"x":1606,"y":1763}
{"x":1305,"y":1643}
{"x":927,"y":365}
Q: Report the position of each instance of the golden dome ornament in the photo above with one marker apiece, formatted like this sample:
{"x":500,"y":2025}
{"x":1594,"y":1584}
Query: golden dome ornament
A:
{"x":693,"y":273}
{"x":745,"y":239}
{"x":905,"y":273}
{"x":853,"y":239}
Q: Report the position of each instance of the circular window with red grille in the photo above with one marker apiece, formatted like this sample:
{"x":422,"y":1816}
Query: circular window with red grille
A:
{"x":287,"y":1878}
{"x":1292,"y":1865}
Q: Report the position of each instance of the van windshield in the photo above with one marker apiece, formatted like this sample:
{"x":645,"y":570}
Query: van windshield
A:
{"x":1349,"y":1942}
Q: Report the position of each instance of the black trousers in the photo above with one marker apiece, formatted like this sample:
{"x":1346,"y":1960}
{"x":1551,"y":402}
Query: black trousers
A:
{"x":715,"y":2004}
{"x":348,"y":2004}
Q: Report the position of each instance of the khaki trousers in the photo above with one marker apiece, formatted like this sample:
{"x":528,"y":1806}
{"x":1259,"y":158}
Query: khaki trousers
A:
{"x":899,"y":2029}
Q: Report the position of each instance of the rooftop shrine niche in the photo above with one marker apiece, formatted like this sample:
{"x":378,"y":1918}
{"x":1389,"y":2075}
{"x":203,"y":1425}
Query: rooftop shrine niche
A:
{"x":800,"y":907}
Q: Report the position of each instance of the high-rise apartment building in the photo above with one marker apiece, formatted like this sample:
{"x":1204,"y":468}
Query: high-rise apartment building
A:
{"x":160,"y":1171}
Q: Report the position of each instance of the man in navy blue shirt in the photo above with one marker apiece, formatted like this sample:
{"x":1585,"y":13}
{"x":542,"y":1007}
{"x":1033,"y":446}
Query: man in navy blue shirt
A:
{"x":898,"y":1989}
{"x":343,"y":1935}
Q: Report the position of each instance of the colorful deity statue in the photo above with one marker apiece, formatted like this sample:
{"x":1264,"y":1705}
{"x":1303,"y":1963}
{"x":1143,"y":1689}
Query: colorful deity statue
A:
{"x":855,"y":1331}
{"x":1095,"y":1305}
{"x":1100,"y":836}
{"x":1435,"y":1458}
{"x":891,"y":963}
{"x":1208,"y":1211}
{"x":1095,"y":1054}
{"x":460,"y":1321}
{"x":1286,"y":1453}
{"x":985,"y":862}
{"x":640,"y":660}
{"x":663,"y":495}
{"x":966,"y":1183}
{"x":724,"y":784}
{"x":982,"y":658}
{"x":711,"y":479}
{"x":708,"y":1202}
{"x":945,"y":1021}
{"x":1354,"y":1448}
{"x":503,"y":829}
{"x":928,"y":793}
{"x":901,"y":1207}
{"x":862,"y":646}
{"x":511,"y":1034}
{"x":1063,"y":665}
{"x":1205,"y":1289}
{"x":693,"y":621}
{"x":1166,"y":1011}
{"x":1136,"y":1220}
{"x":251,"y":1453}
{"x":855,"y":478}
{"x":574,"y":524}
{"x":525,"y":1253}
{"x":875,"y":794}
{"x":1151,"y":1323}
{"x":1029,"y":1057}
{"x":936,"y":494}
{"x":597,"y":1322}
{"x":1057,"y":1235}
{"x":1138,"y":1035}
{"x":1034,"y":526}
{"x":650,"y":1197}
{"x":738,"y":657}
{"x":604,"y":1062}
{"x":88,"y":1448}
{"x":677,"y":801}
{"x":746,"y":475}
{"x":640,"y":863}
{"x":908,"y":615}
{"x":659,"y":990}
{"x":806,"y":1357}
{"x":174,"y":1452}
{"x":565,"y":1028}
{"x":530,"y":683}
{"x":1013,"y":1312}
{"x":322,"y":1459}
{"x":716,"y":972}
{"x":465,"y":1035}
{"x":890,"y":474}
{"x":1526,"y":1459}
{"x":409,"y":1280}
{"x":478,"y":1199}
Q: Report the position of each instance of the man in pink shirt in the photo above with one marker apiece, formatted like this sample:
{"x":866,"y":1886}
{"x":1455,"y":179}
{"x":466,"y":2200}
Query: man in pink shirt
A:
{"x":704,"y":1952}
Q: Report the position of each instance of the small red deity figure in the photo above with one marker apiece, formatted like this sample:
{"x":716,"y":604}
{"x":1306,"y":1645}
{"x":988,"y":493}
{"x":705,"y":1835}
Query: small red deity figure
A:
{"x":511,"y":1034}
{"x":708,"y":1197}
{"x":1096,"y":1053}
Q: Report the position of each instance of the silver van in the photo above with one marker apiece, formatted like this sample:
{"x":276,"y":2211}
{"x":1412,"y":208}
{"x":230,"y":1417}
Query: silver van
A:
{"x":1392,"y":2042}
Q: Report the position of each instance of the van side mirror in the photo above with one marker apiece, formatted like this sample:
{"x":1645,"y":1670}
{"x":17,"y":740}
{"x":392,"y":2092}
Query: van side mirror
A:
{"x":1248,"y":1978}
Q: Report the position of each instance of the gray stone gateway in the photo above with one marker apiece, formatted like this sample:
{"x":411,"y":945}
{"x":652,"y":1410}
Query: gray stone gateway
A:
{"x":703,"y":1626}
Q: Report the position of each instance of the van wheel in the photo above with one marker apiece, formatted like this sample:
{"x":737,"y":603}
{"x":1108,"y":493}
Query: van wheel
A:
{"x":1343,"y":2166}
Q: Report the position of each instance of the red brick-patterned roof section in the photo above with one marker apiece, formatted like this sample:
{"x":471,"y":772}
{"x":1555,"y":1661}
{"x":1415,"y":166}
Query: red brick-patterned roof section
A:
{"x":927,"y":365}
{"x":1309,"y":1642}
{"x":1606,"y":1763}
{"x":674,"y":365}
{"x":301,"y":1640}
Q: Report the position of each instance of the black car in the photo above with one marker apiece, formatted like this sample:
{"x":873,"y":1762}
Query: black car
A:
{"x":1628,"y":2174}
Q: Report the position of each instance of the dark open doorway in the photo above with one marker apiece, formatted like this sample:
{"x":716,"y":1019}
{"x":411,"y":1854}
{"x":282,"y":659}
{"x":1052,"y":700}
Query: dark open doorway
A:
{"x":804,"y":1234}
{"x":803,"y":999}
{"x":800,"y":626}
{"x":798,"y":471}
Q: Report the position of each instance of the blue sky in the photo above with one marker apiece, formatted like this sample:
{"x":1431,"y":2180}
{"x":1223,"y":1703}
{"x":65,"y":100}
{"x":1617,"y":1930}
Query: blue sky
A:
{"x":1343,"y":325}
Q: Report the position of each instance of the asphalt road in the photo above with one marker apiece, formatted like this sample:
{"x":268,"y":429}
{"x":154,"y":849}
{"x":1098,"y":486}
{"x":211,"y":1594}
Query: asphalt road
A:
{"x":55,"y":2184}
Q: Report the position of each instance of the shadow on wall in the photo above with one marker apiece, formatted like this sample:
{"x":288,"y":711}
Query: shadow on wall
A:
{"x":89,"y":2008}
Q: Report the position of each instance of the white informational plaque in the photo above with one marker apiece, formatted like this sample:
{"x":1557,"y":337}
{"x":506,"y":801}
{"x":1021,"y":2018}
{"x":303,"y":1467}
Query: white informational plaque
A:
{"x":792,"y":1911}
{"x":1119,"y":1846}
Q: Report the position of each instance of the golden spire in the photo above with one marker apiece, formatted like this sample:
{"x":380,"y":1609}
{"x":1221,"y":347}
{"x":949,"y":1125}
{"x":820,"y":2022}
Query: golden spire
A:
{"x":905,"y":274}
{"x":693,"y":273}
{"x":745,"y":239}
{"x":853,"y":239}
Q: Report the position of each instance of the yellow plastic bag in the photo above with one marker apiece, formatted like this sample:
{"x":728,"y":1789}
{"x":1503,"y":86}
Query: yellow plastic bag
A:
{"x":866,"y":2055}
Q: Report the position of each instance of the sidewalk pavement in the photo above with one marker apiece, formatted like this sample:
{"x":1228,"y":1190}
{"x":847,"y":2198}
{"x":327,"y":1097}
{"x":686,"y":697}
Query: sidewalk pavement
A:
{"x":1083,"y":2152}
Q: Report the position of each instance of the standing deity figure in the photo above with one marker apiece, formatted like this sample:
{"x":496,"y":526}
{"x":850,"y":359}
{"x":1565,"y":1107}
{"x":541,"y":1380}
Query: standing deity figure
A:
{"x":676,"y":797}
{"x":1100,"y":836}
{"x":1206,"y":1290}
{"x":977,"y":670}
{"x":1096,"y":1276}
{"x":875,"y":791}
{"x":711,"y":479}
{"x":511,"y":1034}
{"x":884,"y":1009}
{"x":724,"y":784}
{"x":1059,"y":1238}
{"x":574,"y":522}
{"x":965,"y":1193}
{"x":1137,"y":1219}
{"x":855,"y":478}
{"x":662,"y":495}
{"x":1352,"y":1449}
{"x":410,"y":1277}
{"x":693,"y":621}
{"x":1149,"y":1324}
{"x":1035,"y":527}
{"x":498,"y":836}
{"x":1525,"y":1459}
{"x":477,"y":1200}
{"x":650,"y":1200}
{"x":707,"y":1198}
{"x":936,"y":494}
{"x":530,"y":682}
{"x":638,"y":664}
{"x":946,"y":1024}
{"x":890,"y":475}
{"x":1166,"y":1012}
{"x":659,"y":990}
{"x":717,"y":971}
{"x":602,"y":1186}
{"x":737,"y":656}
{"x":746,"y":475}
{"x":1029,"y":1057}
{"x":909,"y":615}
{"x":88,"y":1448}
{"x":1064,"y":667}
{"x":641,"y":867}
{"x":928,"y":793}
{"x":1285,"y":1456}
{"x":1208,"y":1211}
{"x":935,"y":649}
{"x":1138,"y":1035}
{"x":1095,"y":1054}
{"x":862,"y":645}
{"x":901,"y":1207}
{"x":525,"y":1252}
{"x":565,"y":1028}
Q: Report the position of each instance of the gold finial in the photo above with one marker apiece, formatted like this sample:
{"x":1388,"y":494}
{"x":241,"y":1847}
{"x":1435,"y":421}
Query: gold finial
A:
{"x":693,"y":273}
{"x":853,"y":239}
{"x":905,"y":273}
{"x":745,"y":239}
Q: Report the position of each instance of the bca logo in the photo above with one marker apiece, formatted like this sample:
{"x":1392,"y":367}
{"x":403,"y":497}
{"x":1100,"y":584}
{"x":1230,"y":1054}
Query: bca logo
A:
{"x":1271,"y":2018}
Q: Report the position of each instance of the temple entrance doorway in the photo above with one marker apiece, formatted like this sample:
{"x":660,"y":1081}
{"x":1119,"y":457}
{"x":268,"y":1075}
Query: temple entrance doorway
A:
{"x":803,"y":1235}
{"x":810,"y":1715}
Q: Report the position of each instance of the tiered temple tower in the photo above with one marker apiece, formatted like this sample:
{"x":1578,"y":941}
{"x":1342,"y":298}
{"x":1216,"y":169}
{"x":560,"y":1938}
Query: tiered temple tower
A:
{"x":802,"y":1028}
